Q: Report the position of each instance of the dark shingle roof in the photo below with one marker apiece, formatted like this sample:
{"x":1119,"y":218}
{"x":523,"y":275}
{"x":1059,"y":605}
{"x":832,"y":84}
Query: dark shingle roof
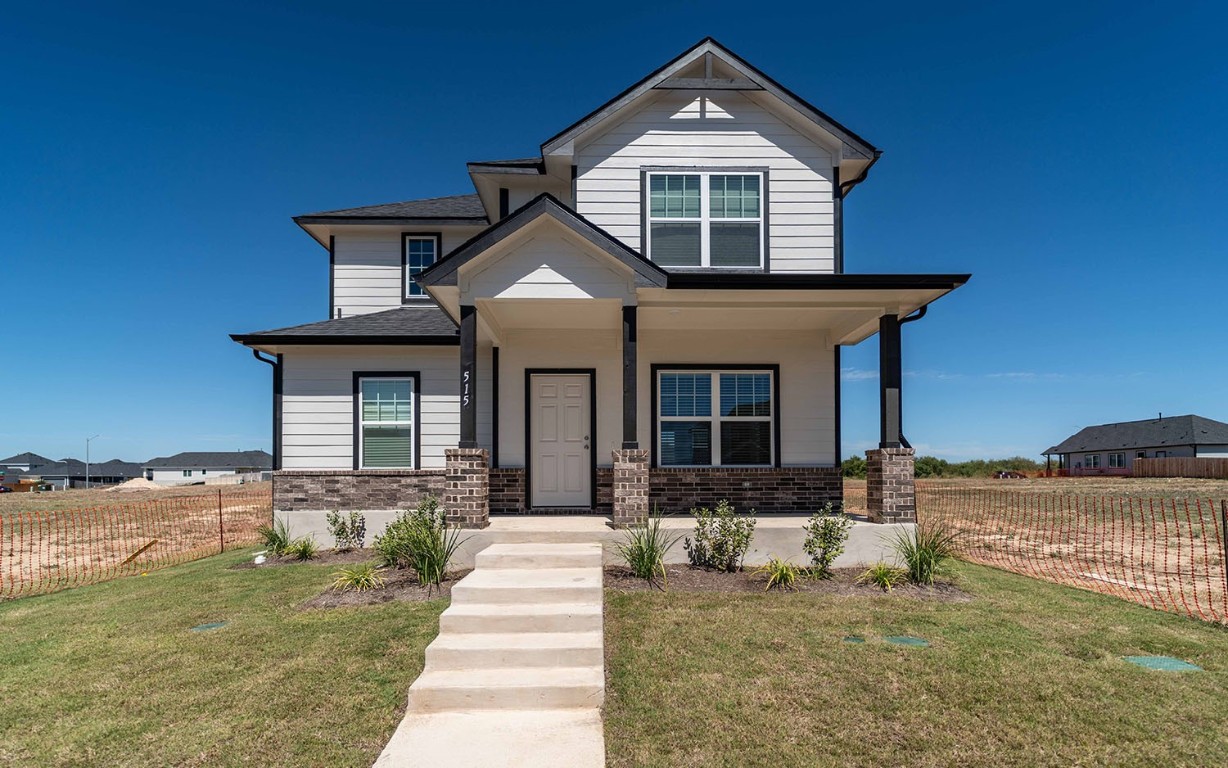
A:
{"x":76,"y":468}
{"x":213,"y":460}
{"x":25,"y":458}
{"x":533,"y":165}
{"x":453,"y":207}
{"x":403,"y":325}
{"x":1169,"y":430}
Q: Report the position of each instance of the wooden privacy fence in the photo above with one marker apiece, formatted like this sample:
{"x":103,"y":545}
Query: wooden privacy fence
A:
{"x":52,"y":550}
{"x":1168,"y":554}
{"x":1181,"y":467}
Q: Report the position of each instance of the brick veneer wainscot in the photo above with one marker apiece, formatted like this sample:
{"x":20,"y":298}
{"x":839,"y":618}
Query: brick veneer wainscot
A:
{"x":764,"y":489}
{"x":891,"y":495}
{"x":466,"y":493}
{"x":344,"y":489}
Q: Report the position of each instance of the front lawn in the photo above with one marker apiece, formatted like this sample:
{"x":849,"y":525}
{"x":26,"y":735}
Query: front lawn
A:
{"x":1027,"y":673}
{"x":113,"y":675}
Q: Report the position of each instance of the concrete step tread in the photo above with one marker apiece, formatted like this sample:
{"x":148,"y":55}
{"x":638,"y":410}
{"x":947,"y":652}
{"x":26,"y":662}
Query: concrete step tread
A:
{"x":549,"y":548}
{"x":512,"y":677}
{"x":495,"y":641}
{"x":522,"y":609}
{"x":522,"y":578}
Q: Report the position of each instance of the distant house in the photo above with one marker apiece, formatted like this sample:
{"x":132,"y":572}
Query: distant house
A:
{"x":23,"y":462}
{"x":72,"y":473}
{"x":1110,"y":449}
{"x":198,"y":466}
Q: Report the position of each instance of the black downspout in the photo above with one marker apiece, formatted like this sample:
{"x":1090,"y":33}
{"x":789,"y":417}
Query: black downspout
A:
{"x":837,"y":202}
{"x":276,"y":363}
{"x":920,"y":313}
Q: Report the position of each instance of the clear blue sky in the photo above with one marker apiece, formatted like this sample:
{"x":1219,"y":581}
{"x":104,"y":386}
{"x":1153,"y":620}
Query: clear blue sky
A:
{"x":1071,"y":155}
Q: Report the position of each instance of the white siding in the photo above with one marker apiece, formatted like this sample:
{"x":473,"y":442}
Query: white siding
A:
{"x":548,"y":265}
{"x":723,"y":128}
{"x":367,"y":266}
{"x":318,"y":401}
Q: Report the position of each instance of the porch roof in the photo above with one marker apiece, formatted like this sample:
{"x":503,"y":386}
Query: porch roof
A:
{"x":427,"y":325}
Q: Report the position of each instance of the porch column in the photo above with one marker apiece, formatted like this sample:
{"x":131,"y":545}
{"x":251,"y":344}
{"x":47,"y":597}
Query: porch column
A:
{"x":890,"y":484}
{"x":466,"y":488}
{"x":630,"y":487}
{"x":630,"y":380}
{"x":468,"y":377}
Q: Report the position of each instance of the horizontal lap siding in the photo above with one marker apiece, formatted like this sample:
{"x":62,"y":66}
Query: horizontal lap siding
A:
{"x":318,"y":401}
{"x":367,"y":266}
{"x":731,"y":131}
{"x":807,"y":371}
{"x":548,"y":266}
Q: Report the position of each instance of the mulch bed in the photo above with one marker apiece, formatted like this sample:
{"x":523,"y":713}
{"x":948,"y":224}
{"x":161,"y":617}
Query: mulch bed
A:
{"x":688,"y":578}
{"x":400,"y":586}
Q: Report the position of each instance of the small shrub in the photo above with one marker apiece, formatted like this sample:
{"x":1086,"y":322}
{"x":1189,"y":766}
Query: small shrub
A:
{"x":421,"y":540}
{"x":926,"y":551}
{"x":275,"y":538}
{"x":780,"y":573}
{"x":882,"y":575}
{"x":644,"y":547}
{"x":303,"y":548}
{"x":348,"y":532}
{"x":358,"y":578}
{"x":721,"y":537}
{"x":826,"y":532}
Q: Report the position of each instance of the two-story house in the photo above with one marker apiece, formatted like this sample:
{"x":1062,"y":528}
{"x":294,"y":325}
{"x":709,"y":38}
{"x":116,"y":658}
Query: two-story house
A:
{"x":648,"y":314}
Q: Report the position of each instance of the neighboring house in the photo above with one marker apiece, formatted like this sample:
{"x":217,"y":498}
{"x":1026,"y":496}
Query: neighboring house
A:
{"x":198,"y":466}
{"x":71,"y":473}
{"x":651,"y":311}
{"x":1110,"y":449}
{"x":23,"y":461}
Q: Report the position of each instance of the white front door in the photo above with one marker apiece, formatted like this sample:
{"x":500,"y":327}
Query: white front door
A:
{"x":559,"y":437}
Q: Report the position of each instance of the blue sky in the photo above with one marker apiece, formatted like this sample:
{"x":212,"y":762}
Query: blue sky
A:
{"x":1069,"y":155}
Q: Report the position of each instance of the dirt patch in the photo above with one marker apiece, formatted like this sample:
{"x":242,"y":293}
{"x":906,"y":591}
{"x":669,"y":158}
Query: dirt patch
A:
{"x":688,"y":578}
{"x":400,"y":586}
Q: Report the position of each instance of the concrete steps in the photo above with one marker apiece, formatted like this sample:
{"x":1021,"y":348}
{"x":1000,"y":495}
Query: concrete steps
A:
{"x":461,"y":618}
{"x":508,"y":688}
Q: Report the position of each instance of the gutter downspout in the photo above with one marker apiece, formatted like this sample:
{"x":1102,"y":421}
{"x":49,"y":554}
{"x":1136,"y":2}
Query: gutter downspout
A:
{"x":276,"y":364}
{"x":915,"y":316}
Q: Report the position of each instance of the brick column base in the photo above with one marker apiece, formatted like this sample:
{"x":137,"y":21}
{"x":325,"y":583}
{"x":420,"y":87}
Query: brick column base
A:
{"x":466,"y":488}
{"x":891,"y":495}
{"x":630,"y":487}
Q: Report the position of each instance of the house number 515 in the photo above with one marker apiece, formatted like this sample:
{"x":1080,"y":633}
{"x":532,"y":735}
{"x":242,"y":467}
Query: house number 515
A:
{"x":465,"y":389}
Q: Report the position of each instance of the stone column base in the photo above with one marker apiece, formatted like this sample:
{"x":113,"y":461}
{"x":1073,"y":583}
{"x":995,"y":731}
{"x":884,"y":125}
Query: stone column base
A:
{"x":466,"y":490}
{"x":891,"y":495}
{"x":630,"y":487}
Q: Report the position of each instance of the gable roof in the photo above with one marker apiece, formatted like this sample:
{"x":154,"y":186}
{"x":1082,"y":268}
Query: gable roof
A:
{"x":77,"y":468}
{"x":33,"y":459}
{"x":1148,"y":433}
{"x":402,"y":325}
{"x":213,"y":460}
{"x":854,"y":145}
{"x":444,"y":271}
{"x":455,"y":208}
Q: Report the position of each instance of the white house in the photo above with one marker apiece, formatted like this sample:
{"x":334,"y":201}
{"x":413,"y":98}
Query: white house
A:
{"x":648,"y":312}
{"x":194,"y":467}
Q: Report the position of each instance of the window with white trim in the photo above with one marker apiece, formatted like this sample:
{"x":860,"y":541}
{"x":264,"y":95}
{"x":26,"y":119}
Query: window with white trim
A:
{"x":420,"y":253}
{"x":1091,"y":460}
{"x":705,"y":219}
{"x":1117,"y":460}
{"x":386,"y":423}
{"x":715,"y":418}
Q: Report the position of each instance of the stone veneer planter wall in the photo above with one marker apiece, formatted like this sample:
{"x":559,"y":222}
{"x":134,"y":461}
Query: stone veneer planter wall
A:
{"x":347,"y":489}
{"x":765,"y":489}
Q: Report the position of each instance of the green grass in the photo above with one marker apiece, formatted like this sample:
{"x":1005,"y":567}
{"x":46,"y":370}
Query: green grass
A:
{"x":1027,"y":674}
{"x":111,"y":675}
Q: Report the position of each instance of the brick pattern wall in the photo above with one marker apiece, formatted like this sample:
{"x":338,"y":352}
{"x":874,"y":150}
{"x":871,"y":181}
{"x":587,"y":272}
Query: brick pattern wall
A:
{"x":364,"y":489}
{"x":466,"y":495}
{"x":764,"y":489}
{"x":891,"y":495}
{"x":630,"y":488}
{"x":507,"y":491}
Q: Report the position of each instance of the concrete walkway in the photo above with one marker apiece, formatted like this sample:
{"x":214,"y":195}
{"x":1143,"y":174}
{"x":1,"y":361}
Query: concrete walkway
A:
{"x":517,"y":674}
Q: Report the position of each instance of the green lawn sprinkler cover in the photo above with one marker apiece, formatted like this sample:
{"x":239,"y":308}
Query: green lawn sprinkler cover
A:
{"x":1163,"y":663}
{"x":209,"y":626}
{"x":915,"y":642}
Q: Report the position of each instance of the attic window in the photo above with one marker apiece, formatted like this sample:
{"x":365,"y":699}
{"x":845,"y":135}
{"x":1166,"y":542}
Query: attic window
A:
{"x":705,"y":219}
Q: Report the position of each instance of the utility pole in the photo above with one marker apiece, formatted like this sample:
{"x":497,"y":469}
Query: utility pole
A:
{"x":87,"y":461}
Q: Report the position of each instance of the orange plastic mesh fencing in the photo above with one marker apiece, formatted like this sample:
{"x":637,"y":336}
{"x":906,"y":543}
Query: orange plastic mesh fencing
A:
{"x":1165,"y":553}
{"x":51,"y":550}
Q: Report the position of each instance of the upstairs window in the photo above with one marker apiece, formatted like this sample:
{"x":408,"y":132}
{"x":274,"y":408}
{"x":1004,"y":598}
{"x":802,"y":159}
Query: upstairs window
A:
{"x":705,"y":219}
{"x":417,"y":253}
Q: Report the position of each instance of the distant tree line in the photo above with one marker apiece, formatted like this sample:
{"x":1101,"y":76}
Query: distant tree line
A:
{"x":932,"y":466}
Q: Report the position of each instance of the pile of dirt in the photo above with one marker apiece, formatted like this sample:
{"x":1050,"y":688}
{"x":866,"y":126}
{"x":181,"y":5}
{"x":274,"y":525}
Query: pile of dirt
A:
{"x":688,"y":578}
{"x":135,"y":484}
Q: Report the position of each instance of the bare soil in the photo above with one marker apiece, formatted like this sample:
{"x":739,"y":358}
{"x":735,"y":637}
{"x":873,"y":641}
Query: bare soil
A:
{"x":688,"y":578}
{"x":401,"y":585}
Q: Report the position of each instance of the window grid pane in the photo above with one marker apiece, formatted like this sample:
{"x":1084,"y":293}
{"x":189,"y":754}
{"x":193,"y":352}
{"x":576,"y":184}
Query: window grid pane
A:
{"x":733,"y":197}
{"x":686,"y":394}
{"x":419,"y":254}
{"x":674,"y":196}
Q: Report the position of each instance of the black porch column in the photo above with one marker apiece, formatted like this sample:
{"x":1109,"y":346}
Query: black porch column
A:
{"x":630,"y":380}
{"x":890,"y":378}
{"x":468,"y":377}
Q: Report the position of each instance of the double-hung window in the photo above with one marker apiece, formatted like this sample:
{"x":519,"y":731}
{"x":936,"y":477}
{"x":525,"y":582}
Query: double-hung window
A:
{"x":705,"y":219}
{"x":715,"y":418}
{"x":418,"y":252}
{"x":1091,"y":460}
{"x":1117,"y":460}
{"x":386,"y":421}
